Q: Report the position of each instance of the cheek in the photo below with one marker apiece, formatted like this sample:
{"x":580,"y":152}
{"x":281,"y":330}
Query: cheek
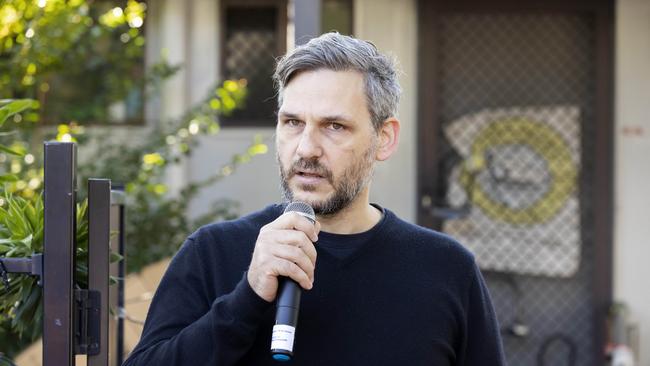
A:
{"x":339,"y":160}
{"x":283,"y":147}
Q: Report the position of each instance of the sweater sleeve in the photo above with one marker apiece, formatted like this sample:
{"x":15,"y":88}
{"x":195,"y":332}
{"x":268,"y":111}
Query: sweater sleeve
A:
{"x":185,"y":327}
{"x":482,"y":339}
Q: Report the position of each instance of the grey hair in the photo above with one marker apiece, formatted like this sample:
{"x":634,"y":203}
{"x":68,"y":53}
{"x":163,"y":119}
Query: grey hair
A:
{"x":338,"y":52}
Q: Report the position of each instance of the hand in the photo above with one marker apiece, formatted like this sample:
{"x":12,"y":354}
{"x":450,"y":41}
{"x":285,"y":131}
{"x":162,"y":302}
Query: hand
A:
{"x":284,"y":247}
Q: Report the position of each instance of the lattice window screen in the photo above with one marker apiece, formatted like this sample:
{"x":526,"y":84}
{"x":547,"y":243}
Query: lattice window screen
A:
{"x":251,"y":44}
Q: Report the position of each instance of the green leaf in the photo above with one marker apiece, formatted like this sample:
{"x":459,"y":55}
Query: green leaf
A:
{"x":112,"y":280}
{"x":6,"y":178}
{"x":32,"y":296}
{"x":3,"y":213}
{"x":27,"y":241}
{"x":10,"y":151}
{"x":32,"y":218}
{"x":115,"y":257}
{"x":12,"y":107}
{"x":16,"y":221}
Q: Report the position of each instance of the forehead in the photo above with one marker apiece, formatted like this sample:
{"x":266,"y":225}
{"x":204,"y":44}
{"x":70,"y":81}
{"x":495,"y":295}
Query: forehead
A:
{"x":326,"y":92}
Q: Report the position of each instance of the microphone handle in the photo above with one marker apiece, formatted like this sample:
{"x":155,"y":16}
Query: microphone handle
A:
{"x":288,"y":301}
{"x":286,"y":320}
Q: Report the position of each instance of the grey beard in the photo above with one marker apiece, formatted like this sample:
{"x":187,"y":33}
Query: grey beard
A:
{"x":344,"y":192}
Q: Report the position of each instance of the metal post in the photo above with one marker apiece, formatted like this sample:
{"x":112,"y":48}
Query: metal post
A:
{"x":58,"y":267}
{"x":99,"y":201}
{"x":307,"y":14}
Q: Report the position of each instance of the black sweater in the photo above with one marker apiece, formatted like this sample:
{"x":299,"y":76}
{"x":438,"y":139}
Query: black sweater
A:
{"x":405,"y":295}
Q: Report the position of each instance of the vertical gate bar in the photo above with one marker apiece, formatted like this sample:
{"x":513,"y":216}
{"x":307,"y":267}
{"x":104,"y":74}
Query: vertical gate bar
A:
{"x":113,"y":291}
{"x":99,"y":201}
{"x":122,"y":284}
{"x":59,"y":238}
{"x":117,"y":225}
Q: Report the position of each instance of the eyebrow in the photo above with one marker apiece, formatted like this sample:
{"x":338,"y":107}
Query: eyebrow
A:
{"x":288,"y":115}
{"x":335,"y":117}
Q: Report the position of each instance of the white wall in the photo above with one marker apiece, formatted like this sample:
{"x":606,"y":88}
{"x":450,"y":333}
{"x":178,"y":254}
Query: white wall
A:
{"x":632,"y":176}
{"x":392,"y":26}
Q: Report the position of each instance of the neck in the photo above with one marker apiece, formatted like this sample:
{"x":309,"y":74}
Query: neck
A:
{"x":357,"y":217}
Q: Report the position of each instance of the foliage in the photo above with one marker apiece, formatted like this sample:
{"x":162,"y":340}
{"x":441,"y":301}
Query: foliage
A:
{"x":9,"y":108}
{"x":55,"y":51}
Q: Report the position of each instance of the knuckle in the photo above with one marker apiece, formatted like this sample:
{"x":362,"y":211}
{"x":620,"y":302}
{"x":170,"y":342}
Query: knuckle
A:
{"x":296,"y":252}
{"x":295,"y":235}
{"x":295,"y":269}
{"x":285,"y":267}
{"x":270,"y":271}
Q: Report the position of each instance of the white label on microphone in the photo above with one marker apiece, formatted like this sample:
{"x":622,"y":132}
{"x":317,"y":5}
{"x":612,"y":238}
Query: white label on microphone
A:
{"x":282,"y":337}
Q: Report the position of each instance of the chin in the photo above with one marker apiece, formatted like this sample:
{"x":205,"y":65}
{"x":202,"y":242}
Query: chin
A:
{"x":313,"y":198}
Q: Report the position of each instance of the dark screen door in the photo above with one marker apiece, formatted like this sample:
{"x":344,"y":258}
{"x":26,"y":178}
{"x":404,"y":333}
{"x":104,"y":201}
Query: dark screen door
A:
{"x":515,"y":162}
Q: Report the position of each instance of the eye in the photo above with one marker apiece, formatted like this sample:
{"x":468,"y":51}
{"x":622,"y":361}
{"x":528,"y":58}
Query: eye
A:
{"x":293,"y":123}
{"x":335,"y":126}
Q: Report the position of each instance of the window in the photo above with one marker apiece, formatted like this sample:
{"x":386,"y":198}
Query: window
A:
{"x":253,"y":35}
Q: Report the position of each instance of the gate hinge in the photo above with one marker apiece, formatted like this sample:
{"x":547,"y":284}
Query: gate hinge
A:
{"x":87,"y":322}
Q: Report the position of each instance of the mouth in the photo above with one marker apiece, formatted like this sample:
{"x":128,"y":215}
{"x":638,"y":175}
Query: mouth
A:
{"x":308,"y":174}
{"x":308,"y":178}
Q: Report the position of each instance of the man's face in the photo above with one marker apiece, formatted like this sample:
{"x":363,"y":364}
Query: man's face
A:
{"x":325,"y":140}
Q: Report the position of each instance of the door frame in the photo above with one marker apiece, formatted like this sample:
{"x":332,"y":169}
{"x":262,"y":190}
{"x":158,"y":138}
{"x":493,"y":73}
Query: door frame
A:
{"x":603,"y":12}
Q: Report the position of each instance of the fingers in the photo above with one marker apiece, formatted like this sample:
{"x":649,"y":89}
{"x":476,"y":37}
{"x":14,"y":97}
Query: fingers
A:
{"x":291,"y":245}
{"x":295,"y":221}
{"x":284,"y":247}
{"x":297,"y":239}
{"x":296,"y":256}
{"x":290,"y":269}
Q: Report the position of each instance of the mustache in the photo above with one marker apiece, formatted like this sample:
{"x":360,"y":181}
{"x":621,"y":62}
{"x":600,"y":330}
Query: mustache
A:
{"x":311,"y":165}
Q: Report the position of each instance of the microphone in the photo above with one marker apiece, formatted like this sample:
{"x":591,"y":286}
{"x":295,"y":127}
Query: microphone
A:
{"x":288,"y":303}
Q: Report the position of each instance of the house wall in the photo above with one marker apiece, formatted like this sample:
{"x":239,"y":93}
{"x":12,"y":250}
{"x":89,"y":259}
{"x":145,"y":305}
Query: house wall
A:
{"x":632,"y":175}
{"x":391,"y":25}
{"x":191,"y":33}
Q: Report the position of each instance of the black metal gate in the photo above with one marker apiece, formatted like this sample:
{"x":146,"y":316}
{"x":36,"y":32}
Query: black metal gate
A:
{"x":509,"y":169}
{"x":76,"y":319}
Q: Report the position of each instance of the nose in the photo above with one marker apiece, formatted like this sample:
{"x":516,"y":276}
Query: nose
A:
{"x":309,"y":146}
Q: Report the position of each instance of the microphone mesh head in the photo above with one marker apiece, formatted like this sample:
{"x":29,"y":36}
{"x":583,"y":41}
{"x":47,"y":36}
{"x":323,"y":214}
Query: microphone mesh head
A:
{"x":303,"y":209}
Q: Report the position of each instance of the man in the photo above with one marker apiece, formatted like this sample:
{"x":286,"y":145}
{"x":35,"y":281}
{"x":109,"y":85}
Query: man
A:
{"x":382,"y":292}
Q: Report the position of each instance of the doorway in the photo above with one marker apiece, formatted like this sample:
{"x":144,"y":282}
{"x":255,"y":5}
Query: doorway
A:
{"x":515,"y":161}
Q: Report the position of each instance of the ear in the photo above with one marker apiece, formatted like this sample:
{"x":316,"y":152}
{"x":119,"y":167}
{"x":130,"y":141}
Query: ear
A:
{"x":388,"y":139}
